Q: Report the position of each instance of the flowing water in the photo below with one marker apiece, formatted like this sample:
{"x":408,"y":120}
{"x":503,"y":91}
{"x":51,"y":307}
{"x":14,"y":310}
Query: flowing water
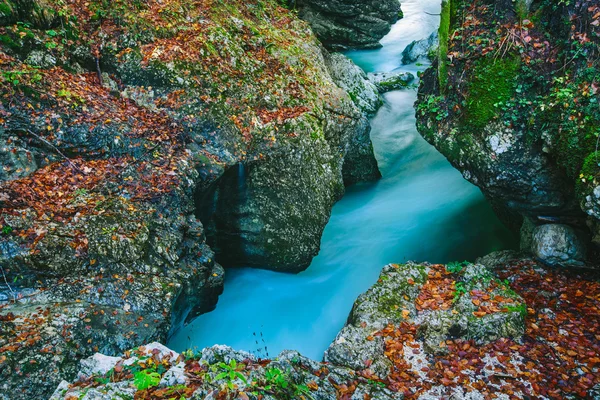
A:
{"x":421,"y":210}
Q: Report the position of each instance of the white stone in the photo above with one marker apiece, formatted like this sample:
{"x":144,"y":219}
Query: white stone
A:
{"x":174,"y":376}
{"x":62,"y":388}
{"x":558,"y":244}
{"x":98,"y":364}
{"x":164,"y":351}
{"x":499,"y":144}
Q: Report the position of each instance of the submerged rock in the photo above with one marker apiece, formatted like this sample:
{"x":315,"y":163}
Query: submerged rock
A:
{"x":421,"y":50}
{"x":345,"y":24}
{"x":389,"y":81}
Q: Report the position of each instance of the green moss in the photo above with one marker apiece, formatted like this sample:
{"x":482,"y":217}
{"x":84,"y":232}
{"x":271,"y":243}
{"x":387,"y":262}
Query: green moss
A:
{"x":392,"y":303}
{"x":444,"y":32}
{"x":590,"y":170}
{"x":570,"y":115}
{"x":9,"y":42}
{"x":391,"y":85}
{"x":492,"y":81}
{"x":573,"y":148}
{"x":6,"y":9}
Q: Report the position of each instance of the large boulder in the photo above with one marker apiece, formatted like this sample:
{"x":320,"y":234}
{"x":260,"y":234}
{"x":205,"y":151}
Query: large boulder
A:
{"x":436,"y":303}
{"x":359,"y":164}
{"x":344,"y":24}
{"x":350,"y":77}
{"x":557,"y":244}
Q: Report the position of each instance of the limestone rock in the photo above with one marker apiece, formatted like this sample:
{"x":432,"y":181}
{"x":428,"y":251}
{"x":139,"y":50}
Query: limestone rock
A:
{"x":351,"y":349}
{"x":296,"y":374}
{"x":343,"y":24}
{"x":557,"y":244}
{"x":394,"y":299}
{"x":350,"y":77}
{"x":389,"y":81}
{"x":17,"y":159}
{"x":98,"y":364}
{"x":420,"y":50}
{"x":174,"y":376}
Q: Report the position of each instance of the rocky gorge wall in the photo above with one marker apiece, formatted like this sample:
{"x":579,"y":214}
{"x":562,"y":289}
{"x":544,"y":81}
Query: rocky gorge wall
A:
{"x":512,"y":102}
{"x":133,"y":136}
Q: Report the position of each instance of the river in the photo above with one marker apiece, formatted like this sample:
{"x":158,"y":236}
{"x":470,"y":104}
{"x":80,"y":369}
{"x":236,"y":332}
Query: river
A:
{"x":422,"y":209}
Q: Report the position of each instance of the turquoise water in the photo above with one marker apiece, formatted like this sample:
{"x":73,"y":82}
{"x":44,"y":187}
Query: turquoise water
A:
{"x":421,"y":210}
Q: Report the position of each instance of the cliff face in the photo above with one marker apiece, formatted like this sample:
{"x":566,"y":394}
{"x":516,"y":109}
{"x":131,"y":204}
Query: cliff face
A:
{"x":513,"y":103}
{"x":134,"y":135}
{"x":346,"y":24}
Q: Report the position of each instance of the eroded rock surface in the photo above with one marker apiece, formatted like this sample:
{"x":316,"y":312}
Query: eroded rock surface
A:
{"x":349,"y":76}
{"x":421,"y":50}
{"x":344,"y":24}
{"x":440,"y":305}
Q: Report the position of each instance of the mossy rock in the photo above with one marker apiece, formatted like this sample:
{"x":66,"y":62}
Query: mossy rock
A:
{"x":492,"y":81}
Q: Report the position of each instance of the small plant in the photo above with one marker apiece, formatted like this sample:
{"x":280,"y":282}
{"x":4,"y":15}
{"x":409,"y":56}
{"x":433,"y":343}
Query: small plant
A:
{"x":276,"y":377}
{"x":188,"y":354}
{"x":433,"y":105}
{"x":80,"y":192}
{"x":262,"y":345}
{"x":302,"y":391}
{"x":376,"y":384}
{"x":145,"y":379}
{"x":521,"y":309}
{"x":230,"y":372}
{"x":17,"y":78}
{"x":109,"y":231}
{"x":70,"y":97}
{"x":456,"y":267}
{"x":6,"y":230}
{"x":460,"y":289}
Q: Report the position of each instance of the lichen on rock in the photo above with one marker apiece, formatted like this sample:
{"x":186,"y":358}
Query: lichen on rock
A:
{"x":470,"y":304}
